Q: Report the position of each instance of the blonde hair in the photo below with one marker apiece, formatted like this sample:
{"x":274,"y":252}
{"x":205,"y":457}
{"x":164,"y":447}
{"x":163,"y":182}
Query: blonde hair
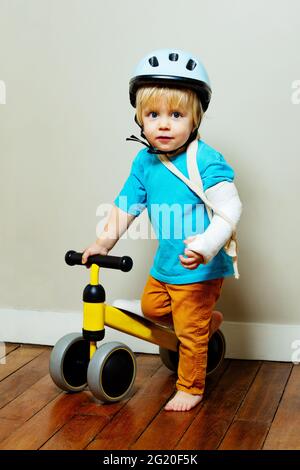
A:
{"x":179,"y":99}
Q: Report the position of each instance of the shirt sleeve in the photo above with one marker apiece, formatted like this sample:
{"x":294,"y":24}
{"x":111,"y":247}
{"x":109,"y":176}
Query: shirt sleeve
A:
{"x":216,"y":171}
{"x":133,"y":196}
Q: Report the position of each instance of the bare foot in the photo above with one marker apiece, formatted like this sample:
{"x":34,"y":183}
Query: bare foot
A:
{"x":216,"y":320}
{"x":183,"y":401}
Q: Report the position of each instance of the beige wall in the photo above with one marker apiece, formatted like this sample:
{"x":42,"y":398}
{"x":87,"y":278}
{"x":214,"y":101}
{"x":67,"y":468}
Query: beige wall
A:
{"x":66,"y":66}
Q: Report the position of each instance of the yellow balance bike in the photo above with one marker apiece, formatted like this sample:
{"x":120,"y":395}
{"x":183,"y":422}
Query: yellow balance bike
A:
{"x":109,"y":369}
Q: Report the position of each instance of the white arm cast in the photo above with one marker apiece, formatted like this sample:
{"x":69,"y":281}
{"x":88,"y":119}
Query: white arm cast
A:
{"x":223,"y":196}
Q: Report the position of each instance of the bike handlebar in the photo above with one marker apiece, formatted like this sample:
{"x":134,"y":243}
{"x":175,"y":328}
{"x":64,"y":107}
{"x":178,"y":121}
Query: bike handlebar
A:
{"x":124,"y":263}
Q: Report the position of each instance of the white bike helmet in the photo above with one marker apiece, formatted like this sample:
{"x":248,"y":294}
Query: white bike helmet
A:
{"x":170,"y":68}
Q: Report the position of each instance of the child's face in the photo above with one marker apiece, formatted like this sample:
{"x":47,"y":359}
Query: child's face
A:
{"x":165,"y":128}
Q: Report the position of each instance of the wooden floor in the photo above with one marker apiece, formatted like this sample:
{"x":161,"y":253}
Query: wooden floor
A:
{"x":248,"y":405}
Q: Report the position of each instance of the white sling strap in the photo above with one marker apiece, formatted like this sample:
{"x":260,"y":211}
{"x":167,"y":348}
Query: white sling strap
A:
{"x":195,"y":184}
{"x":194,"y":174}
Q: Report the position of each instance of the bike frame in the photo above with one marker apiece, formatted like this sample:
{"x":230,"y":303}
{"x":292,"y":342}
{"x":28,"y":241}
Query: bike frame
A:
{"x":98,"y":314}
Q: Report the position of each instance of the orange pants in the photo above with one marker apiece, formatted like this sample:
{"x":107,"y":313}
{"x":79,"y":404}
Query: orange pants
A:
{"x":189,"y":307}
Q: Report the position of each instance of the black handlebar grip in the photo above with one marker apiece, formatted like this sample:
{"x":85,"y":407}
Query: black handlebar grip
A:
{"x":124,"y":263}
{"x":72,"y":258}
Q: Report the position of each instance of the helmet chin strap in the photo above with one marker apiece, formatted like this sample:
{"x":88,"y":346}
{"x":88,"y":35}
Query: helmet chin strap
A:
{"x":155,"y":150}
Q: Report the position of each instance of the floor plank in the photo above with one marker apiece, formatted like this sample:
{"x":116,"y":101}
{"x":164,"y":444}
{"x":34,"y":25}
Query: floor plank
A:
{"x":7,"y":427}
{"x":17,"y":383}
{"x":35,"y":432}
{"x":252,"y":421}
{"x":285,"y":429}
{"x":8,"y":348}
{"x":27,"y":404}
{"x":211,"y":423}
{"x":77,"y":433}
{"x":262,"y":400}
{"x":17,"y":358}
{"x":245,"y":435}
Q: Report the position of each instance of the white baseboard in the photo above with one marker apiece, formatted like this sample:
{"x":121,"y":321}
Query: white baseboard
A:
{"x":46,"y":328}
{"x":271,"y":342}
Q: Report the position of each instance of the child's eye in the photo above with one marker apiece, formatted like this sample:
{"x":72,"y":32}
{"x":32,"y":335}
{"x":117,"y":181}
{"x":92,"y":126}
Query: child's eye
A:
{"x":153,"y":114}
{"x":176,"y":114}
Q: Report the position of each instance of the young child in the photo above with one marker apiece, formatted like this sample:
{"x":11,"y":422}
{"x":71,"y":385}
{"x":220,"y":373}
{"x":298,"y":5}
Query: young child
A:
{"x":171,"y":91}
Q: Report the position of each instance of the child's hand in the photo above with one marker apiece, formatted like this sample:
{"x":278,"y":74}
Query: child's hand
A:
{"x":193,"y":259}
{"x":95,"y":249}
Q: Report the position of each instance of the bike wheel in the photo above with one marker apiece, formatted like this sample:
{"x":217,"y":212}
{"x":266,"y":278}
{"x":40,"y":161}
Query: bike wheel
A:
{"x":111,"y":372}
{"x":69,"y":362}
{"x":169,"y":358}
{"x":215,"y":354}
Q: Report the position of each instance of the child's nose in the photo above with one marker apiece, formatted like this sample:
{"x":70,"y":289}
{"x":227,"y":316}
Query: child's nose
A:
{"x":164,"y":123}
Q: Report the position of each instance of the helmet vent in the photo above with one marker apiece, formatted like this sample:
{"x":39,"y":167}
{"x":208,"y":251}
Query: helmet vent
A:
{"x":191,"y":64}
{"x":153,"y":61}
{"x":173,"y":57}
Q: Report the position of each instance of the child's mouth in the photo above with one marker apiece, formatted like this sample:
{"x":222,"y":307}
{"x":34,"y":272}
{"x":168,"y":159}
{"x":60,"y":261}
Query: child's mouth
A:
{"x":164,"y":138}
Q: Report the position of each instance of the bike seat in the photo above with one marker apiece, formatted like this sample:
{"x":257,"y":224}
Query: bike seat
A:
{"x":134,"y":306}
